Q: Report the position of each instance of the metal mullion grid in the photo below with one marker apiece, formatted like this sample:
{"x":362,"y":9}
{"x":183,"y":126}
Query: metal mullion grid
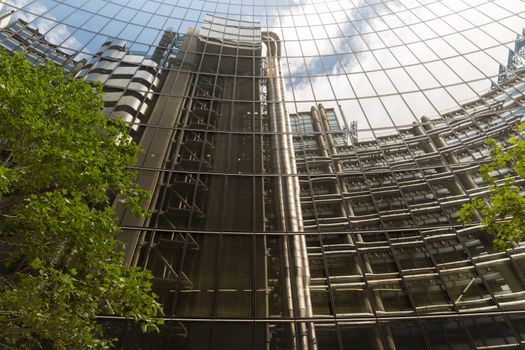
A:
{"x":358,"y":8}
{"x":395,"y":127}
{"x":500,"y":22}
{"x":483,"y":132}
{"x":398,"y":266}
{"x":375,"y":96}
{"x":150,"y":45}
{"x":195,"y":78}
{"x":381,"y":150}
{"x":255,"y":87}
{"x":367,"y":289}
{"x":418,"y":22}
{"x":169,"y":47}
{"x":336,"y":99}
{"x":425,"y":245}
{"x":398,"y":93}
{"x":377,"y":70}
{"x":357,"y":100}
{"x":274,"y":175}
{"x":475,"y":268}
{"x":159,"y":190}
{"x":441,"y":119}
{"x":397,"y":185}
{"x":338,"y":183}
{"x":284,"y":49}
{"x":221,"y":214}
{"x":154,"y":201}
{"x":521,"y":275}
{"x":41,"y":16}
{"x":414,"y":64}
{"x":25,"y":6}
{"x":161,"y":74}
{"x":320,"y":239}
{"x":479,"y":49}
{"x":445,"y":63}
{"x":416,"y":315}
{"x":503,"y":313}
{"x":408,"y":74}
{"x":295,"y":325}
{"x":169,"y":16}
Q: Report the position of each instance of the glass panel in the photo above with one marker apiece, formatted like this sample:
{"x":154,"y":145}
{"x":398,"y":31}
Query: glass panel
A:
{"x":404,"y":334}
{"x":360,"y":124}
{"x":360,"y":337}
{"x":490,"y":331}
{"x":507,"y":287}
{"x":446,"y":334}
{"x":466,"y":289}
{"x":428,"y":294}
{"x":390,"y":297}
{"x":235,"y":288}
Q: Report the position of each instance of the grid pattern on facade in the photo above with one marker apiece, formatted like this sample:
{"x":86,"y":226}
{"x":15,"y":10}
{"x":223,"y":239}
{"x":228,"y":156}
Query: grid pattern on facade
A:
{"x":306,"y":162}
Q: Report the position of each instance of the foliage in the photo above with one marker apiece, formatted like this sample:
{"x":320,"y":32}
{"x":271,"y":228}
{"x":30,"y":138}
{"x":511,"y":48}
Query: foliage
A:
{"x":64,"y":163}
{"x":504,"y":212}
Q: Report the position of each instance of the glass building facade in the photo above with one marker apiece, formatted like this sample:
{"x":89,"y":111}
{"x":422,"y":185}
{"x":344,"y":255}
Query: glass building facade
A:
{"x":306,"y":161}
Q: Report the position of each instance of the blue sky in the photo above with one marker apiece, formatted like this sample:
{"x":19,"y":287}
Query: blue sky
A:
{"x":395,"y":59}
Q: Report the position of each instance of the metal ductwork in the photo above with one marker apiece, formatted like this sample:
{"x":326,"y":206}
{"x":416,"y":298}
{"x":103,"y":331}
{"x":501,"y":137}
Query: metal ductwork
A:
{"x":297,"y":284}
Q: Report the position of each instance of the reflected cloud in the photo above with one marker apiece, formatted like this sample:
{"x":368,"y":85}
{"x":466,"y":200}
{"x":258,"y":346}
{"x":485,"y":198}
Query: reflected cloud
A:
{"x":336,"y":53}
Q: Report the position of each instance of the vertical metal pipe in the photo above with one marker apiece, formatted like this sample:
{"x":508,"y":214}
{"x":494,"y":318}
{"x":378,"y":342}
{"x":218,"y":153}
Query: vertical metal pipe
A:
{"x":290,"y":194}
{"x":279,"y":193}
{"x":465,"y":179}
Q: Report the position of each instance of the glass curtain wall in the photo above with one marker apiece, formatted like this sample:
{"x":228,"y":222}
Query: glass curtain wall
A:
{"x":306,"y":161}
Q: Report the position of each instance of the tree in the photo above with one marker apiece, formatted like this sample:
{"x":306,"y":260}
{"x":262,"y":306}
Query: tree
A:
{"x":64,"y":162}
{"x":503,"y":215}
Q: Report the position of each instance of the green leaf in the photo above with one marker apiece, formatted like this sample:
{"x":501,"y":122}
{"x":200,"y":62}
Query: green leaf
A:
{"x":68,"y":163}
{"x":504,"y":218}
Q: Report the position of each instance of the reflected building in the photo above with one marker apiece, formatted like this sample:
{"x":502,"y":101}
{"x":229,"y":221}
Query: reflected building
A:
{"x":129,"y":81}
{"x":5,"y":17}
{"x":515,"y":61}
{"x":275,"y":225}
{"x":290,"y":221}
{"x":20,"y":36}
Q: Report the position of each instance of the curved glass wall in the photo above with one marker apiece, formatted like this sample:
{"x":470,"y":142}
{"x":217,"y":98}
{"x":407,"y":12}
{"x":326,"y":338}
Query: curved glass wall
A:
{"x":307,"y":160}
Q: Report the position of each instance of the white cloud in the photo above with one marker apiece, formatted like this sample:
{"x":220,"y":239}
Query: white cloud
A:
{"x":55,"y":33}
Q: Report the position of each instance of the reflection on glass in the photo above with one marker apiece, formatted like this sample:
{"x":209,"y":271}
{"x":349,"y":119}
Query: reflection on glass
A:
{"x":306,"y":162}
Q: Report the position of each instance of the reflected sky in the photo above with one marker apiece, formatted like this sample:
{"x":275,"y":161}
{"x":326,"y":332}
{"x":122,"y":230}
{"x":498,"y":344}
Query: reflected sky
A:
{"x":382,"y":63}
